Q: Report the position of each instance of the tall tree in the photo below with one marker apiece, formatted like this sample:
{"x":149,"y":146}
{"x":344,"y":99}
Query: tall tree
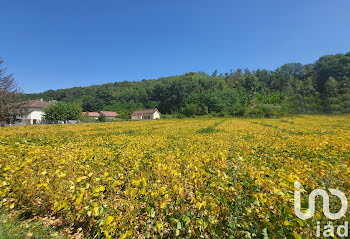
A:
{"x":332,"y":102}
{"x":344,"y":90}
{"x":331,"y":87}
{"x":8,"y":91}
{"x":294,"y":69}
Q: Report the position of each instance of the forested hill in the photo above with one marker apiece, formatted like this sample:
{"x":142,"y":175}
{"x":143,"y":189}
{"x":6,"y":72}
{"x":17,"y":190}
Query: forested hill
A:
{"x":321,"y":87}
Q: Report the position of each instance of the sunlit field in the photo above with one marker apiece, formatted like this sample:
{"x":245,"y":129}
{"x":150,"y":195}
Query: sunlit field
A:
{"x":211,"y":178}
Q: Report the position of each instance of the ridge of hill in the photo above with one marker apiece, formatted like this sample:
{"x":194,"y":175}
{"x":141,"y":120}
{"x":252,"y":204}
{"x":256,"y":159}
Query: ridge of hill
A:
{"x":320,"y":87}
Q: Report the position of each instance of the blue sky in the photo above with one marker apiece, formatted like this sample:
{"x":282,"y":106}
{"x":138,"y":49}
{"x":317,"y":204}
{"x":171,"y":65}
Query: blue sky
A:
{"x":63,"y":43}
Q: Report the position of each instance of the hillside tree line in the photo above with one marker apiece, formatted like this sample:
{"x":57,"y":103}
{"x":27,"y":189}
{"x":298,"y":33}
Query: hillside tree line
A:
{"x":294,"y":88}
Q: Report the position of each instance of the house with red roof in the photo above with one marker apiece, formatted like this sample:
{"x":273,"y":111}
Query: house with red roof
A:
{"x":149,"y":114}
{"x":109,"y":114}
{"x":91,"y":115}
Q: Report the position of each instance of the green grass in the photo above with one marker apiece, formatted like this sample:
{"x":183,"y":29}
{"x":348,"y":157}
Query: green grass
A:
{"x":208,"y":130}
{"x":17,"y":228}
{"x":211,"y":129}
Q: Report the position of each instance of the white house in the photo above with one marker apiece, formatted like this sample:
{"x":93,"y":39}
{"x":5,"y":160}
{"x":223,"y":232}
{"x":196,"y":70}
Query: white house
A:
{"x":31,"y":112}
{"x":145,"y":114}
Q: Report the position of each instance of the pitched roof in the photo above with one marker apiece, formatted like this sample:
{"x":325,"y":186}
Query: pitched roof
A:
{"x":35,"y":104}
{"x":91,"y":114}
{"x":145,"y":112}
{"x":108,"y":113}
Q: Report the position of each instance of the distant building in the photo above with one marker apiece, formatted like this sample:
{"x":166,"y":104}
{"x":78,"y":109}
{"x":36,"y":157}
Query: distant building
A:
{"x":31,"y":112}
{"x":146,"y":114}
{"x":91,"y":115}
{"x":109,"y":114}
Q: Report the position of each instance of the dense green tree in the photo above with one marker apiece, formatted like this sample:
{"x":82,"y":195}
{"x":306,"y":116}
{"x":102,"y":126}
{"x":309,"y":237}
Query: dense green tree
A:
{"x":331,"y":87}
{"x":91,"y":103}
{"x":62,"y":111}
{"x":332,"y":101}
{"x":102,"y":118}
{"x":293,"y":69}
{"x":336,"y":66}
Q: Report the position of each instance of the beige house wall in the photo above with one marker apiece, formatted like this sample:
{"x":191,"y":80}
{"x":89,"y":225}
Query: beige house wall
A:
{"x":156,"y":115}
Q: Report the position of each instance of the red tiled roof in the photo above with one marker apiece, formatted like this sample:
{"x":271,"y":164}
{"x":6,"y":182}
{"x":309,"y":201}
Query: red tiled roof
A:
{"x":35,"y":104}
{"x":91,"y":114}
{"x":108,"y":113}
{"x":144,"y":112}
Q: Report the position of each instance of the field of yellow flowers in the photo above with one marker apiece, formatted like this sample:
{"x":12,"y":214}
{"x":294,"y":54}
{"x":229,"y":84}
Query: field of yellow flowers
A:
{"x":191,"y":178}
